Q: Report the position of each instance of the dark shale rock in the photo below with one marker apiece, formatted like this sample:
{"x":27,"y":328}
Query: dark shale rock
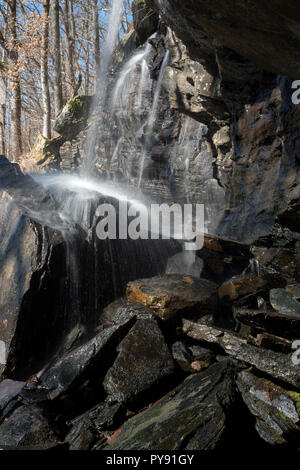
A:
{"x":191,"y":87}
{"x":285,"y":303}
{"x":144,"y":361}
{"x":256,"y":30}
{"x":269,"y":321}
{"x":27,"y":427}
{"x":182,"y":356}
{"x":192,"y":359}
{"x":166,"y":295}
{"x":89,"y":427}
{"x":202,"y":358}
{"x":83,"y":435}
{"x":192,"y":417}
{"x":240,"y":286}
{"x":278,"y":365}
{"x":31,"y":257}
{"x":294,"y":289}
{"x":9,"y":390}
{"x":59,"y":377}
{"x":276,"y":409}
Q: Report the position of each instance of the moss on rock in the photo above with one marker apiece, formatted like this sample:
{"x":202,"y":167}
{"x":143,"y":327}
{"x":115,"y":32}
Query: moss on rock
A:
{"x":74,"y":116}
{"x":45,"y":151}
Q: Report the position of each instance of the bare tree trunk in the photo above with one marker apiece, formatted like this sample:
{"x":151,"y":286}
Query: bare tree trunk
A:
{"x":44,"y":71}
{"x":58,"y":96}
{"x":71,"y":82}
{"x":87,"y":51}
{"x":3,"y":128}
{"x":96,"y":34}
{"x":3,"y":94}
{"x":16,"y":108}
{"x":72,"y":62}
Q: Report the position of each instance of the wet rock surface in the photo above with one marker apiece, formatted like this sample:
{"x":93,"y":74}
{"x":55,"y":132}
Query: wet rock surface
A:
{"x":61,"y":375}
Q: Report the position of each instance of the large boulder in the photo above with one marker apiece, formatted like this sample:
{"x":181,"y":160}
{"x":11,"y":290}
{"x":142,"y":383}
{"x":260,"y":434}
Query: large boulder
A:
{"x":144,"y":361}
{"x":255,"y":30}
{"x":74,"y":116}
{"x":77,"y":363}
{"x":191,"y":417}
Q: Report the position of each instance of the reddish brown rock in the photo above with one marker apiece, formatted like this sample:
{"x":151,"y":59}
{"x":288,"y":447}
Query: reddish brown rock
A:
{"x":241,"y":285}
{"x":166,"y":295}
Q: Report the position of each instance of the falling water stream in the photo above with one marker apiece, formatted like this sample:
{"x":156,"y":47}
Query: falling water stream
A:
{"x":77,"y":195}
{"x":152,"y":116}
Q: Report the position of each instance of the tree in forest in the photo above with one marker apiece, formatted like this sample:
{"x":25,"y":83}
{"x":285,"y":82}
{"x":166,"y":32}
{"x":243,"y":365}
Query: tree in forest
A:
{"x":44,"y":71}
{"x":57,"y":75}
{"x":16,"y":108}
{"x":50,"y":51}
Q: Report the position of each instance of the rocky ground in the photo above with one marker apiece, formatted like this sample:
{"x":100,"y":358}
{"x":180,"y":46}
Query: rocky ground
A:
{"x":179,"y":363}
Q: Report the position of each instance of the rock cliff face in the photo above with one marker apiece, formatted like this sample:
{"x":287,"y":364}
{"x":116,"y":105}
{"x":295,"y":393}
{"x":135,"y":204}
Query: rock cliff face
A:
{"x":221,"y":54}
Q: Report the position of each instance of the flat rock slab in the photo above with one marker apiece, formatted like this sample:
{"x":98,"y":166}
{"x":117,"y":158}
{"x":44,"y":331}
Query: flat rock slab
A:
{"x":144,"y":360}
{"x":193,"y":416}
{"x":285,"y":303}
{"x":241,"y":285}
{"x":276,"y":409}
{"x":166,"y":295}
{"x":277,"y":365}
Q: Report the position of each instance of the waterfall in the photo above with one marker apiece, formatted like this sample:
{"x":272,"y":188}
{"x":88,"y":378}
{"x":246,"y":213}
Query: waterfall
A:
{"x":151,"y":118}
{"x":98,"y":107}
{"x":128,"y":68}
{"x":110,"y":41}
